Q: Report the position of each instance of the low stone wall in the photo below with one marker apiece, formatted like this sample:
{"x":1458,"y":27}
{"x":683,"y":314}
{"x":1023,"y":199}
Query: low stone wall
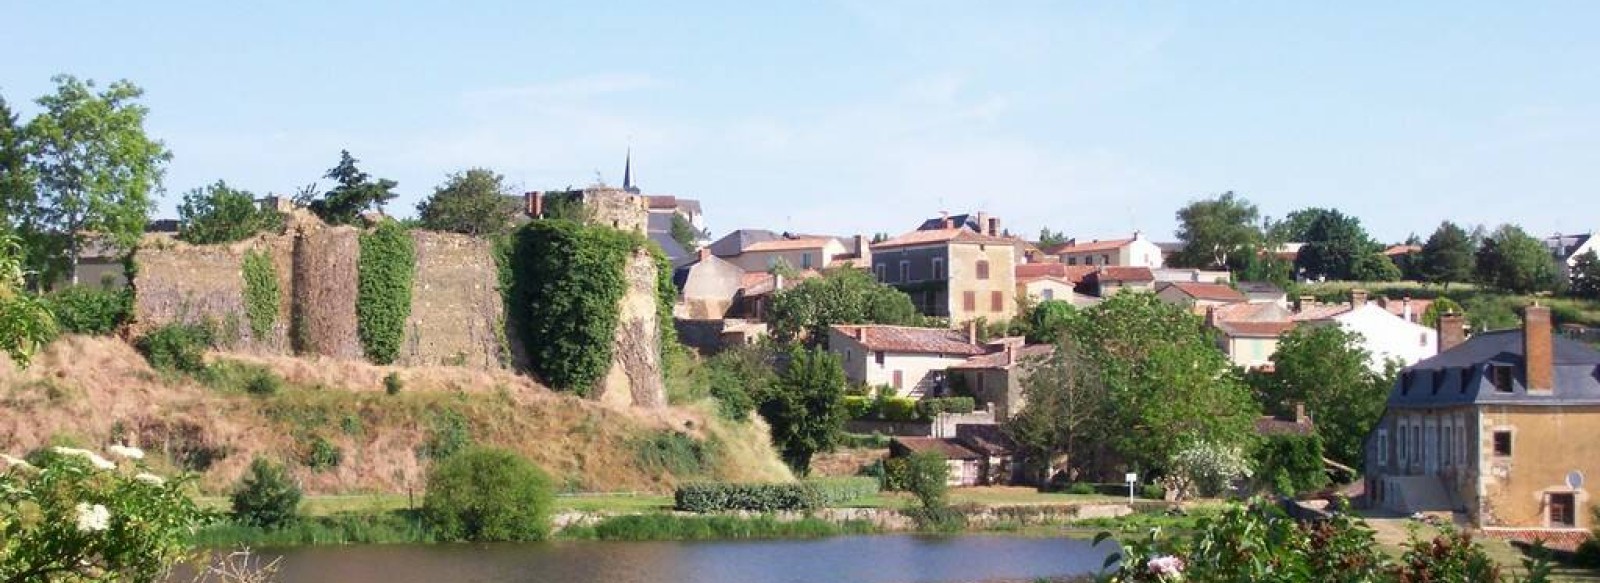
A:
{"x":893,"y":520}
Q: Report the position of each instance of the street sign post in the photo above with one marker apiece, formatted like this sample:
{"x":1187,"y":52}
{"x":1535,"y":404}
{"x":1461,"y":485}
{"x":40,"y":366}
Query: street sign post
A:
{"x":1132,"y":479}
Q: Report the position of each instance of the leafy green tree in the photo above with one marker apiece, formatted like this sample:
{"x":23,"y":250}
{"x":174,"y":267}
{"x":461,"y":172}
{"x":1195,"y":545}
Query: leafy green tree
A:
{"x":1513,"y":261}
{"x":684,"y":232}
{"x":266,"y":497}
{"x":1217,"y":233}
{"x":1325,"y":368}
{"x":489,"y":495}
{"x":218,"y":213}
{"x":1440,"y":306}
{"x":18,"y":197}
{"x":805,"y":409}
{"x":26,"y":323}
{"x":475,"y":202}
{"x":1334,"y":244}
{"x":928,"y":478}
{"x":738,"y":376}
{"x":1170,"y":385}
{"x":1048,"y":321}
{"x":1586,"y":276}
{"x":354,"y":192}
{"x":840,"y":296}
{"x":1263,"y":263}
{"x":1447,"y":257}
{"x":98,"y":170}
{"x":1290,"y":464}
{"x":1067,"y":413}
{"x":1375,"y":267}
{"x":1049,"y":238}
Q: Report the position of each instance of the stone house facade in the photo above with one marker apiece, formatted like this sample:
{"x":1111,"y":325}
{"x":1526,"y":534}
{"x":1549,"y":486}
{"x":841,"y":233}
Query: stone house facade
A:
{"x":1499,"y":428}
{"x":952,"y":273}
{"x":912,"y":361}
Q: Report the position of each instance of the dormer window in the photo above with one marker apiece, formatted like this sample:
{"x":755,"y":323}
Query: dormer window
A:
{"x":1500,"y":375}
{"x":1405,"y":382}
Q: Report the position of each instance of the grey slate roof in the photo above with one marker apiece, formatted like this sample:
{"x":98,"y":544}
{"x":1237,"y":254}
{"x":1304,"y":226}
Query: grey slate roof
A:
{"x":961,"y":220}
{"x":1563,"y":246}
{"x":734,"y":243}
{"x":1460,"y":376}
{"x":671,"y":248}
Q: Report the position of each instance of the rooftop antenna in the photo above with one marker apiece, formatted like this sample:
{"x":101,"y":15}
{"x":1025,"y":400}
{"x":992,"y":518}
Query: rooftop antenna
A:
{"x":599,"y":179}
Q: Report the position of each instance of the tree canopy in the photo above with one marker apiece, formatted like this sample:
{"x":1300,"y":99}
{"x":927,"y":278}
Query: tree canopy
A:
{"x":98,"y":172}
{"x":1335,"y":243}
{"x":1067,"y":413}
{"x":1049,"y":238}
{"x":805,"y":408}
{"x":684,"y":232}
{"x":1325,"y":368}
{"x":1217,"y":233}
{"x":1447,"y":257}
{"x":354,"y":192}
{"x":1586,"y":276}
{"x":840,"y":296}
{"x":1510,"y":260}
{"x":1375,"y":266}
{"x":218,"y":213}
{"x":474,"y":202}
{"x":1050,"y":321}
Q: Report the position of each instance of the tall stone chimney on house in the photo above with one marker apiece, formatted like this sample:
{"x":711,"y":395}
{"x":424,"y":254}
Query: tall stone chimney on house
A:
{"x":863,"y":252}
{"x":705,"y":253}
{"x":1537,"y":348}
{"x":1358,"y":298}
{"x":1405,"y":309}
{"x":983,"y":223}
{"x":861,"y":334}
{"x":993,"y":226}
{"x":532,"y":204}
{"x":1451,"y":331}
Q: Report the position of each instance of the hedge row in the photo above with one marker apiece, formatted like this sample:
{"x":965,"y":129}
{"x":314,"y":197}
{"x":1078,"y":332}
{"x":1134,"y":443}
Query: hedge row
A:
{"x":904,"y":409}
{"x":808,"y":495}
{"x":383,"y":290}
{"x":86,"y":310}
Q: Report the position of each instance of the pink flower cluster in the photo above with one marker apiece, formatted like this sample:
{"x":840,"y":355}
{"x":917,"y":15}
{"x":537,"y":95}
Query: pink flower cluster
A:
{"x":1166,"y":567}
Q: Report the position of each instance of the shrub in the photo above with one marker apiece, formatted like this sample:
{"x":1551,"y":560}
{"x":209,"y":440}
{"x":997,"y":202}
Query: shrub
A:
{"x":928,"y":478}
{"x":392,"y":383}
{"x":720,"y":497}
{"x":855,"y":440}
{"x":836,"y":491}
{"x":485,"y":494}
{"x":176,"y":347}
{"x":675,"y":453}
{"x":321,"y":454}
{"x":1080,"y":488}
{"x":647,"y":527}
{"x":261,"y":293}
{"x":896,"y":474}
{"x":265,"y":497}
{"x":447,"y":435}
{"x":383,"y":290}
{"x":1291,"y":464}
{"x":933,"y":407}
{"x":734,"y":378}
{"x":1207,"y":469}
{"x":898,"y":409}
{"x":857,"y":407}
{"x":1152,"y":492}
{"x":85,"y":310}
{"x":234,"y":376}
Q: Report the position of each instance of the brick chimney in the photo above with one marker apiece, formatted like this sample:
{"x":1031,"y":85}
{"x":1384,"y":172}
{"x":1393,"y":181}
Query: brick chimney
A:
{"x":863,"y":252}
{"x":1537,"y":348}
{"x":993,"y":226}
{"x":1358,"y":298}
{"x":533,"y":204}
{"x":861,"y":334}
{"x":1405,"y":309}
{"x":1451,"y":331}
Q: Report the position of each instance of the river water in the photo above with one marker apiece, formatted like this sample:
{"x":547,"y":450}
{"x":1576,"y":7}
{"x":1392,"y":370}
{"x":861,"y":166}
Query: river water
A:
{"x":853,"y":559}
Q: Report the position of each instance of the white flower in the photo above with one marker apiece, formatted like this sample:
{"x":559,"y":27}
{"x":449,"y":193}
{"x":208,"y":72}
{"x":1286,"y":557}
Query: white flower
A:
{"x":16,"y":462}
{"x":93,"y":518}
{"x":150,"y":479}
{"x":1166,"y":566}
{"x":125,"y":451}
{"x":94,"y":458}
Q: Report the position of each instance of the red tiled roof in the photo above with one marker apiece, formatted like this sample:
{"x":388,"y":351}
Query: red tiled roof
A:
{"x":1209,"y":291}
{"x":755,"y":283}
{"x":985,"y":438}
{"x":1255,"y":329}
{"x":1320,"y":312}
{"x":788,"y":244}
{"x":1069,"y":273}
{"x":662,"y":202}
{"x":1000,"y":360}
{"x":1118,"y":273}
{"x":910,"y":339}
{"x":952,"y":235}
{"x":1076,"y":247}
{"x":1248,"y":312}
{"x":1395,"y":250}
{"x":949,"y":448}
{"x":1418,"y":306}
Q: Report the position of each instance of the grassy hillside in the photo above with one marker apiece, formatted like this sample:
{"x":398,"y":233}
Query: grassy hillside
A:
{"x":1485,"y":307}
{"x":339,"y":431}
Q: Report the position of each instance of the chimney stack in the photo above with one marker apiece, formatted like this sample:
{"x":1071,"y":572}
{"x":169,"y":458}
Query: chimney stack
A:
{"x":1451,"y":331}
{"x":1537,"y":349}
{"x":863,"y":252}
{"x":533,"y":204}
{"x":1305,"y":302}
{"x":1300,"y":412}
{"x":983,"y":223}
{"x":972,"y":331}
{"x":1358,"y":298}
{"x":1405,"y":309}
{"x":705,"y":253}
{"x":861,"y":333}
{"x":994,"y":226}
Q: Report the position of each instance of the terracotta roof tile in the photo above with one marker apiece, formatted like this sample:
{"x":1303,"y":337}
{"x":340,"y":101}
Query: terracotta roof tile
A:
{"x":1119,"y":273}
{"x":1320,"y":312}
{"x":1255,"y":329}
{"x":1070,"y":273}
{"x":1000,"y":360}
{"x":1395,"y":250}
{"x":910,"y":339}
{"x":949,"y":448}
{"x":662,"y":202}
{"x":956,"y":235}
{"x":985,"y":438}
{"x":1075,"y":247}
{"x":1215,"y":292}
{"x":1251,"y":312}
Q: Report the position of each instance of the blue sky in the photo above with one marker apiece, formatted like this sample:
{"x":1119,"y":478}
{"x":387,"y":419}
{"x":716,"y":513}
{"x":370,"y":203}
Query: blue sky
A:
{"x":845,"y":117}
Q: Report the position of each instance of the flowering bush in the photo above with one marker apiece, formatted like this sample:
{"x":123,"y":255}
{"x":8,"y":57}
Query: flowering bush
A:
{"x":74,"y":515}
{"x":1207,"y":469}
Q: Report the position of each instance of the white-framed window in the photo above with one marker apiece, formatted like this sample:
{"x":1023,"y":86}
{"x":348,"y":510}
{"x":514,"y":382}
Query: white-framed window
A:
{"x":905,"y":271}
{"x":938,"y":268}
{"x":1383,"y":447}
{"x":1402,"y":443}
{"x":1448,"y":447}
{"x":805,"y":261}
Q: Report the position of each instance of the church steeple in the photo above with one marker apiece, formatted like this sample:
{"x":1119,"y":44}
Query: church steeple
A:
{"x":627,"y":173}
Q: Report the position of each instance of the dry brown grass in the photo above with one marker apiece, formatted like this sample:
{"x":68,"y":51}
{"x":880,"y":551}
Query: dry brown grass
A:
{"x":88,"y":391}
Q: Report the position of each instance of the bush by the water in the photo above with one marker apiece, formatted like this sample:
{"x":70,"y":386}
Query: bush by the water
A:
{"x":646,"y":527}
{"x":265,"y":497}
{"x":836,"y":491}
{"x":721,"y":496}
{"x":176,"y":347}
{"x":485,"y":494}
{"x":86,"y":310}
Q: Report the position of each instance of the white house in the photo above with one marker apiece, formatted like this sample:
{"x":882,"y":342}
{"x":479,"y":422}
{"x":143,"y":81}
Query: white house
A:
{"x":911,"y":360}
{"x":1136,"y":251}
{"x":1384,"y":335}
{"x":1567,"y":248}
{"x":802,"y":254}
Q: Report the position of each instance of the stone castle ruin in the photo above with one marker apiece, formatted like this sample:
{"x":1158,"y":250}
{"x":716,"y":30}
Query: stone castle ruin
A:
{"x":457,"y":314}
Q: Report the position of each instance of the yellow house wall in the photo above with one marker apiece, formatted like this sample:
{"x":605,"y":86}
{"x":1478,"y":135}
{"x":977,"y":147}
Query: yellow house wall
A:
{"x":963,"y":278}
{"x":1546,"y":444}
